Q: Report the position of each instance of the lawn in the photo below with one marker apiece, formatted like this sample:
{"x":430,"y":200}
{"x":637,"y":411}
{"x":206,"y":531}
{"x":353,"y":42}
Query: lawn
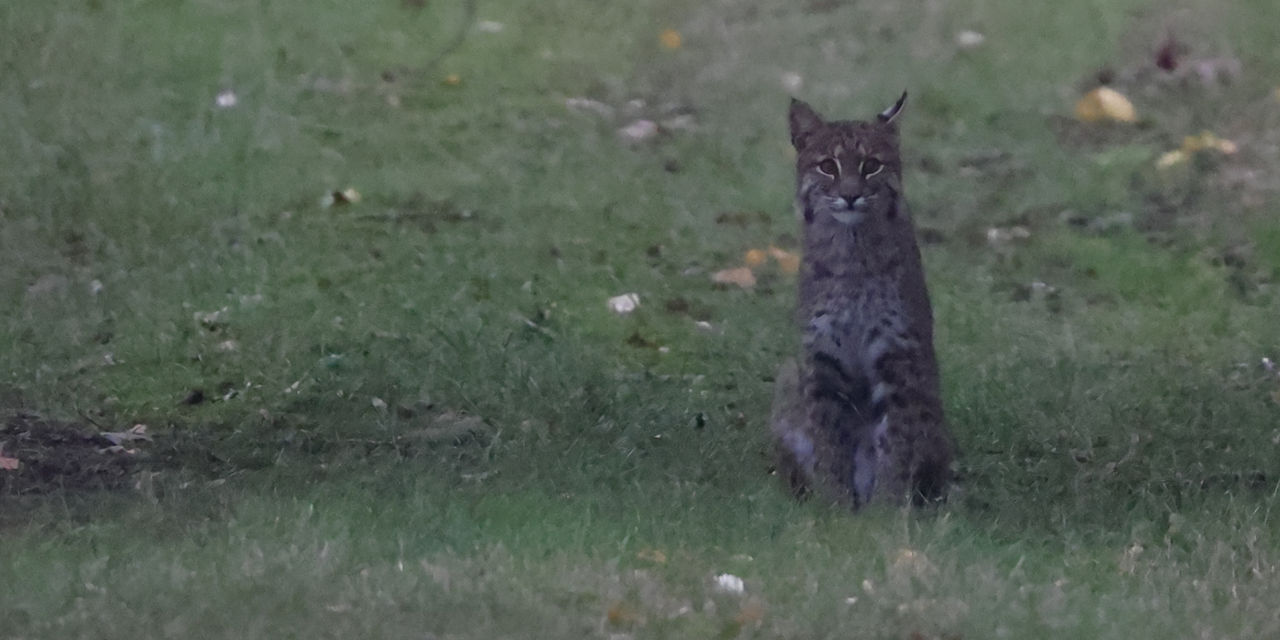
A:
{"x":348,"y":267}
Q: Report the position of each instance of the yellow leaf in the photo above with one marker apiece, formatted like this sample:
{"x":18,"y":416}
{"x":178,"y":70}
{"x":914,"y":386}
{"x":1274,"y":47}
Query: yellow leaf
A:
{"x":1105,"y":103}
{"x":1207,"y":140}
{"x":740,"y":276}
{"x":452,"y":80}
{"x":670,"y":38}
{"x":1171,"y":158}
{"x":754,"y":257}
{"x":787,"y":261}
{"x":1203,"y":141}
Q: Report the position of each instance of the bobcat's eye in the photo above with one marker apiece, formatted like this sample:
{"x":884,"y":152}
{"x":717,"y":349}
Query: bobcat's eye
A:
{"x":870,"y":167}
{"x":829,"y":167}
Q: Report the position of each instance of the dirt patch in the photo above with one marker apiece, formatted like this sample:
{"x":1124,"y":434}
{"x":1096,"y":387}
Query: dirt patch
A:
{"x":54,"y":455}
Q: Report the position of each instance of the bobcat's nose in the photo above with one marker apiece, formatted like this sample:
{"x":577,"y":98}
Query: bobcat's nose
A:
{"x":855,"y":203}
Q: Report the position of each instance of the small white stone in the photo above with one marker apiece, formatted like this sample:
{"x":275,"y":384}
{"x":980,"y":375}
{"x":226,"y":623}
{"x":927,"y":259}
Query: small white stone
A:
{"x":624,"y":304}
{"x":95,"y":287}
{"x":729,"y":583}
{"x":969,"y":39}
{"x":489,"y":26}
{"x":379,"y":403}
{"x":226,"y":99}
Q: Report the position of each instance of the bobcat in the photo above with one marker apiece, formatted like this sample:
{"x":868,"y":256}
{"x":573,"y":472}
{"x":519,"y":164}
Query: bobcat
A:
{"x":859,"y":417}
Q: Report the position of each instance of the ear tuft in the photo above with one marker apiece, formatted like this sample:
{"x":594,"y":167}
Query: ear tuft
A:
{"x":804,"y":122}
{"x":887,"y":116}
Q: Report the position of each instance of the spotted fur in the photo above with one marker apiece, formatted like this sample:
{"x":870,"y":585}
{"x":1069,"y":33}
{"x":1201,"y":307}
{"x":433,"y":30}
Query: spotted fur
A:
{"x":859,"y":416}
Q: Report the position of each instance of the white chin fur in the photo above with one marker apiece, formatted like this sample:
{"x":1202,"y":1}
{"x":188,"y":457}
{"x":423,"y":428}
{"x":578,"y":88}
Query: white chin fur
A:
{"x":847,"y":217}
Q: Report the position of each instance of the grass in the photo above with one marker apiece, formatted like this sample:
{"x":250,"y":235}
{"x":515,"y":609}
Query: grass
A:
{"x":420,"y":420}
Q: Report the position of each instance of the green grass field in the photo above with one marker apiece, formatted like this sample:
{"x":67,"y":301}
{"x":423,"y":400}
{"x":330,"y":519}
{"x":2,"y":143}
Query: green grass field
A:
{"x":414,"y":416}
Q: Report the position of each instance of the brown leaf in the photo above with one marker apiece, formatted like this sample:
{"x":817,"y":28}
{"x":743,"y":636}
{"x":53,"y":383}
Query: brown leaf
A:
{"x":652,"y":555}
{"x":752,"y":612}
{"x":740,"y":276}
{"x":623,"y":614}
{"x":136,"y":432}
{"x":9,"y":464}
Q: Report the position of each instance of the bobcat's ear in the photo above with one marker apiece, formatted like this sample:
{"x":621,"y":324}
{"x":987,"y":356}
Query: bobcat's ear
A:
{"x":887,"y":116}
{"x":804,"y":122}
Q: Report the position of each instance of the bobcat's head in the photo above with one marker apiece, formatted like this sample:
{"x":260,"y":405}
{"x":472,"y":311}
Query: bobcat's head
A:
{"x":847,"y":171}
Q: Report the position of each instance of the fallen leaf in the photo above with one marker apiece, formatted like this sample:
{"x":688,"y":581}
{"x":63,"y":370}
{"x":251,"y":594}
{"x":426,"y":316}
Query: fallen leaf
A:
{"x":652,"y":555}
{"x":449,"y":426}
{"x":1207,"y":141}
{"x":452,"y":80}
{"x":1105,"y":103}
{"x":912,"y":562}
{"x":787,"y":261}
{"x":752,"y":612}
{"x":624,"y":304}
{"x":682,"y":122}
{"x":9,"y":464}
{"x":639,"y":131}
{"x":740,"y":276}
{"x":1171,"y":158}
{"x":621,"y":613}
{"x":754,"y":257}
{"x":345,"y":196}
{"x":998,"y":235}
{"x":136,"y":432}
{"x":670,"y":38}
{"x":589,"y":105}
{"x":1191,"y":145}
